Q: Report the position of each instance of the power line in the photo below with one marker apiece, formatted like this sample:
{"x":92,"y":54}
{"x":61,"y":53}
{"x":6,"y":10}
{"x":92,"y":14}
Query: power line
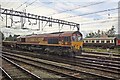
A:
{"x":31,"y":3}
{"x":42,"y":5}
{"x":25,"y":3}
{"x":99,"y":21}
{"x":77,"y":8}
{"x":90,"y":21}
{"x":21,"y":5}
{"x":92,"y":13}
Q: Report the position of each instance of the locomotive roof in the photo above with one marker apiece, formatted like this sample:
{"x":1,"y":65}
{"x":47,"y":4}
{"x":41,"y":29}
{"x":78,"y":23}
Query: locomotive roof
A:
{"x":101,"y":38}
{"x":21,"y":36}
{"x":55,"y":34}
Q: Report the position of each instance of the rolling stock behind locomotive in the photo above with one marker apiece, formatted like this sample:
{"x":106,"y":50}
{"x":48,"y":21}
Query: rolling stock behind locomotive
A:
{"x":106,"y":42}
{"x":60,"y":43}
{"x":118,"y":42}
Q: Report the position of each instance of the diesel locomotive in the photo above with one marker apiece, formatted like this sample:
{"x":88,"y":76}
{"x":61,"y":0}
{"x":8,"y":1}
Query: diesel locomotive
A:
{"x":68,"y":43}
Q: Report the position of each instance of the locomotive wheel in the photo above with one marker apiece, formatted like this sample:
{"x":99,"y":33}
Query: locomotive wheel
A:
{"x":77,"y":52}
{"x":71,"y":54}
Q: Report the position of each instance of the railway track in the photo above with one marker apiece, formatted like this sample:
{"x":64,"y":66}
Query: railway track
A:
{"x":39,"y":72}
{"x":5,"y":75}
{"x":115,"y":76}
{"x":44,"y":75}
{"x":13,"y":71}
{"x":111,"y":65}
{"x":66,"y":71}
{"x":108,"y":56}
{"x":99,"y":61}
{"x":102,"y":53}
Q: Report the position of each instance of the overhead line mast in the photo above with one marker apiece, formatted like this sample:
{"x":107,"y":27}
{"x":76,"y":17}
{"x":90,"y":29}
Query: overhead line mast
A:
{"x":37,"y":17}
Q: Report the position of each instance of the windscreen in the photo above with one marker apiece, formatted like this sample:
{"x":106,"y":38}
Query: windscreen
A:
{"x":76,"y":37}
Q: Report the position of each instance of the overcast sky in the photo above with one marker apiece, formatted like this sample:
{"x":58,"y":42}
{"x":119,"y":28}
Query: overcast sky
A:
{"x":77,"y":11}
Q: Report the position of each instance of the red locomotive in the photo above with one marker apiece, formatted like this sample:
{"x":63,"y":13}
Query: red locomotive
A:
{"x":61,"y":43}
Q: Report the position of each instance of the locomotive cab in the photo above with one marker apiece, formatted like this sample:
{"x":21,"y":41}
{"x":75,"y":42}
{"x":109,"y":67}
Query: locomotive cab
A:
{"x":77,"y":42}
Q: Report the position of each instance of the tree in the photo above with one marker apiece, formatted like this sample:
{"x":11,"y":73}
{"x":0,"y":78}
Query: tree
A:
{"x":117,"y":36}
{"x":90,"y":35}
{"x":12,"y":38}
{"x":99,"y":33}
{"x":2,"y":35}
{"x":111,"y":32}
{"x":15,"y":37}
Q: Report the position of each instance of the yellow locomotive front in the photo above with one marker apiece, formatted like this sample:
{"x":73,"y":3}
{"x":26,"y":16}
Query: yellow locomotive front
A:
{"x":77,"y":42}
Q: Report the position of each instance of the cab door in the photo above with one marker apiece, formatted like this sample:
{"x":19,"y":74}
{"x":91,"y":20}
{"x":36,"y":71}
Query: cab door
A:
{"x":67,"y":40}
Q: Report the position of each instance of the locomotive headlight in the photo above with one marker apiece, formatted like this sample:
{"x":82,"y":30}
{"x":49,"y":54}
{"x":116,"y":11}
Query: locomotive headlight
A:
{"x":77,"y":45}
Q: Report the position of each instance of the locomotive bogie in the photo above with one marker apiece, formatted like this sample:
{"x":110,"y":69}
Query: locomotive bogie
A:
{"x":9,"y":44}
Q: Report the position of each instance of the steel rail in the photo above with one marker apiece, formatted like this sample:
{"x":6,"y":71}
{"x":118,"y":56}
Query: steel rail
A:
{"x":72,"y":63}
{"x":23,"y":69}
{"x":81,"y":71}
{"x":6,"y":74}
{"x":102,"y":53}
{"x":35,"y":65}
{"x":89,"y":63}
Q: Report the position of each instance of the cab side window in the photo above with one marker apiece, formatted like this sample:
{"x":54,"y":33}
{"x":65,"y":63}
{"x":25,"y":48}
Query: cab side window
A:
{"x":22,"y":39}
{"x":67,"y":39}
{"x":53,"y":41}
{"x":79,"y":38}
{"x":74,"y":38}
